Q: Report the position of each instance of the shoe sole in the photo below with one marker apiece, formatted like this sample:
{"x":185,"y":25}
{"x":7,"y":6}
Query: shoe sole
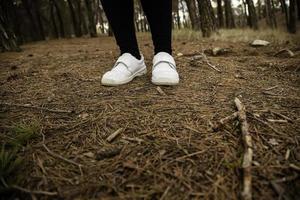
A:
{"x":165,"y":82}
{"x":141,"y":72}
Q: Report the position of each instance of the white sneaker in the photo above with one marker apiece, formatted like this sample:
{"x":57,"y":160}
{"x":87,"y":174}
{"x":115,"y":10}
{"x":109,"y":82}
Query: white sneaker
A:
{"x":164,"y":70}
{"x":125,"y":70}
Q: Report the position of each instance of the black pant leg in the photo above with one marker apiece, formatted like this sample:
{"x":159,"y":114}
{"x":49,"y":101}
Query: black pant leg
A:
{"x":159,"y":15}
{"x":120,"y":15}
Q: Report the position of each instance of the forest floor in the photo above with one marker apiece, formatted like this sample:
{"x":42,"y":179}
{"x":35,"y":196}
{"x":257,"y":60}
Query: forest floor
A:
{"x":54,"y":109}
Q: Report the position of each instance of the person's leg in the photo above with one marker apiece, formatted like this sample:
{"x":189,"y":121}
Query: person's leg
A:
{"x":120,"y":15}
{"x":130,"y":64}
{"x":159,"y":15}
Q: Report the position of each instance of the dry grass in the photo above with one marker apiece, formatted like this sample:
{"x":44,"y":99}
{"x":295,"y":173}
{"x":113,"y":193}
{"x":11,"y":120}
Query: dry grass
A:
{"x":241,"y":35}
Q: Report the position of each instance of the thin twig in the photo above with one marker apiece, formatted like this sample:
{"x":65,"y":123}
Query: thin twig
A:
{"x":114,"y":135}
{"x":219,"y":124}
{"x":209,"y":64}
{"x":59,"y":156}
{"x":165,"y":193}
{"x":190,"y":155}
{"x":248,"y":152}
{"x":34,"y":191}
{"x":160,"y":91}
{"x":36,"y":107}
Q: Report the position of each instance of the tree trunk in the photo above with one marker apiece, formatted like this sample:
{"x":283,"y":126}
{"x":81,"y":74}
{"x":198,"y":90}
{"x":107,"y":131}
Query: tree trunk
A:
{"x":39,"y":20}
{"x":229,"y":19}
{"x":191,"y":6}
{"x":60,"y":20}
{"x":285,"y":10}
{"x":270,"y":15}
{"x":8,"y":39}
{"x":34,"y":29}
{"x":292,"y":17}
{"x":252,"y":15}
{"x":77,"y":28}
{"x":298,"y":9}
{"x":220,"y":14}
{"x":207,"y":25}
{"x":52,"y":15}
{"x":92,"y":24}
{"x":259,"y":9}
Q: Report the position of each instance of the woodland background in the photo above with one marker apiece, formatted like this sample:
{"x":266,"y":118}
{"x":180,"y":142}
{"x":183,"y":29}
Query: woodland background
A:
{"x":23,"y":21}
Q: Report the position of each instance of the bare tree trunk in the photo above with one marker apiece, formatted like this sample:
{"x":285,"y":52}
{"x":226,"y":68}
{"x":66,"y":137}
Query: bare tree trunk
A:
{"x":191,"y":6}
{"x":252,"y":15}
{"x":39,"y":20}
{"x":34,"y":28}
{"x":8,"y":39}
{"x":92,"y":24}
{"x":229,"y":19}
{"x":207,"y":24}
{"x":270,"y":15}
{"x":285,"y":10}
{"x":81,"y":19}
{"x":259,"y":9}
{"x":76,"y":26}
{"x":52,"y":15}
{"x":220,"y":14}
{"x":99,"y":16}
{"x":292,"y":17}
{"x":298,"y":9}
{"x":60,"y":20}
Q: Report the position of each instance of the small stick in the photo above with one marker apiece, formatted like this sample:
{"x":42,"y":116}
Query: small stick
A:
{"x":295,"y":167}
{"x":165,"y":193}
{"x":138,"y":140}
{"x":271,"y":127}
{"x":160,"y":91}
{"x":223,"y":121}
{"x":209,"y":64}
{"x":291,"y":54}
{"x":277,"y":120}
{"x":190,"y":155}
{"x":271,"y":88}
{"x":36,"y":107}
{"x":114,"y":135}
{"x":248,"y":152}
{"x":59,"y":156}
{"x":34,"y":191}
{"x":281,"y":115}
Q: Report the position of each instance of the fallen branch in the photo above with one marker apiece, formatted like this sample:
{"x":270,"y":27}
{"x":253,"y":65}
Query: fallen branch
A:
{"x":209,"y":64}
{"x":36,"y":107}
{"x":248,"y":152}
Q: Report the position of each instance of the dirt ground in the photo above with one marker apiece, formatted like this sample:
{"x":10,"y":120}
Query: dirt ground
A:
{"x":166,"y":148}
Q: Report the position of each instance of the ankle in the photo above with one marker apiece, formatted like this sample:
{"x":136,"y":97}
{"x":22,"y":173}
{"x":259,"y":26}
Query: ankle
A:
{"x":135,"y":54}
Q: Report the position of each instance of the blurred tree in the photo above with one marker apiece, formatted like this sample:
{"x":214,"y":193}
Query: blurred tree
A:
{"x":206,"y":17}
{"x":220,"y":14}
{"x":90,"y":12}
{"x":292,"y":17}
{"x":192,"y":10}
{"x":229,"y":19}
{"x":76,"y":26}
{"x":252,"y":15}
{"x":270,"y":14}
{"x":8,"y":39}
